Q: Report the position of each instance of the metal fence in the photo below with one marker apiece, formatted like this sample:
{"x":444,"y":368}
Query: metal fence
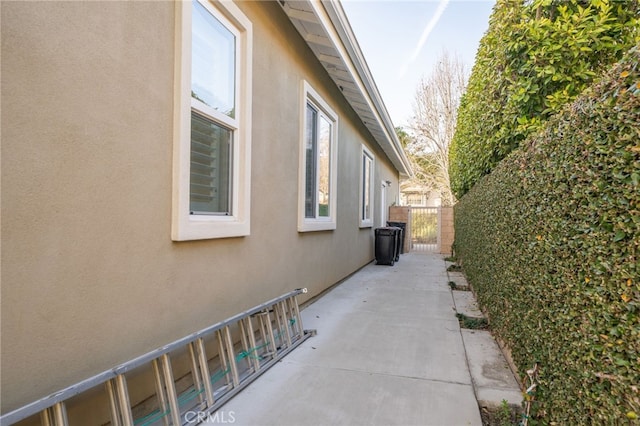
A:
{"x":424,"y":229}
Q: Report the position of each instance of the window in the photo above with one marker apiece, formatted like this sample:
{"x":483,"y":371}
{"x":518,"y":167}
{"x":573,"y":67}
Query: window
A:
{"x":415,"y":199}
{"x":212,"y":146}
{"x":366,"y":188}
{"x":318,"y":164}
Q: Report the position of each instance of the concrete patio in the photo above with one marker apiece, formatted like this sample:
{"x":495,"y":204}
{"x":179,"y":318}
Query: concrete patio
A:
{"x":389,"y":351}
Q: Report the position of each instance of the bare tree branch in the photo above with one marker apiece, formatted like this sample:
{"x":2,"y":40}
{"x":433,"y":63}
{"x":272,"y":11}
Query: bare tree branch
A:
{"x":433,"y":125}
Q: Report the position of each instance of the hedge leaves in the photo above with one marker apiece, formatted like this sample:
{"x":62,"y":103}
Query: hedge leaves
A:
{"x":550,"y":241}
{"x":535,"y":57}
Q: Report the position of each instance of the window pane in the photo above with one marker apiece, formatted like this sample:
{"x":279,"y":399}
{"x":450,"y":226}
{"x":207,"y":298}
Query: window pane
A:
{"x":210,"y":173}
{"x":324,"y":159}
{"x":366,"y":187}
{"x":310,"y":166}
{"x":213,"y":62}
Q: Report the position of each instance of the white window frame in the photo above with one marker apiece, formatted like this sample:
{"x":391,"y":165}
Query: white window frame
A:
{"x":186,"y":226}
{"x":305,"y":224}
{"x":366,"y":222}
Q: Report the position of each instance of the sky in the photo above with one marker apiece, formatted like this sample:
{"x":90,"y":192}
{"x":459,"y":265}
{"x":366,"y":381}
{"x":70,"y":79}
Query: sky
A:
{"x":402,"y":39}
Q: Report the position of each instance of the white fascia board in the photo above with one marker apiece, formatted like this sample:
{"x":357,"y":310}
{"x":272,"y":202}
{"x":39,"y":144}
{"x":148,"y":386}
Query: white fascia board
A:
{"x":332,"y":18}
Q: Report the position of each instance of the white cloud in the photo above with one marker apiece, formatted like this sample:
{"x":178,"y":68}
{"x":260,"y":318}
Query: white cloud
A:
{"x":425,"y":35}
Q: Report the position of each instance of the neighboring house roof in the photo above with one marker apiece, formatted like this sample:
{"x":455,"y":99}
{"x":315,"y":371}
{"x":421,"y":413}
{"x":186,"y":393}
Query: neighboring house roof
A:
{"x":412,"y":186}
{"x":414,"y":190}
{"x":325,"y":28}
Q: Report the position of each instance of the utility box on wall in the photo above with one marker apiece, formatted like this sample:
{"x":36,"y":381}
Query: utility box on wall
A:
{"x":402,"y":214}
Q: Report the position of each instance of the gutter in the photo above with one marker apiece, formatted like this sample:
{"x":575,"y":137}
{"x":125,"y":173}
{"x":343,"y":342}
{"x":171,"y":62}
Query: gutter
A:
{"x":348,"y":68}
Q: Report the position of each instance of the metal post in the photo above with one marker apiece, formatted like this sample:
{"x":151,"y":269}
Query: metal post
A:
{"x":170,"y":386}
{"x":45,"y":417}
{"x":246,"y":347}
{"x":298,"y":317}
{"x":160,"y":392}
{"x":195,"y":372}
{"x":285,"y":320}
{"x":279,"y":325}
{"x":223,"y":360}
{"x":232,"y":358}
{"x":123,"y":398}
{"x":113,"y":405}
{"x":265,"y":323}
{"x":204,"y":370}
{"x":296,"y":326}
{"x":252,"y":342}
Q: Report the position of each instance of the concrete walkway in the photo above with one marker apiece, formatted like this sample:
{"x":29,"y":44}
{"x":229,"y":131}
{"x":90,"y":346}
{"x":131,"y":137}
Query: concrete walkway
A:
{"x":389,"y":351}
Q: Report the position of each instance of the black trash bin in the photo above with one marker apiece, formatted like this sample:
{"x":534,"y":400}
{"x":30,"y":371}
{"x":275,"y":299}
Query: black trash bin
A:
{"x":386,"y":245}
{"x":403,"y":228}
{"x":398,"y":240}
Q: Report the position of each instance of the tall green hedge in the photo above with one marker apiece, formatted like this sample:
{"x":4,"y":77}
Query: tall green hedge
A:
{"x":536,"y":56}
{"x":550,"y":241}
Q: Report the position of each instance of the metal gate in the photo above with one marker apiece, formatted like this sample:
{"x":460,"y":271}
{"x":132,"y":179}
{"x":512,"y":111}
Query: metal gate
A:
{"x":424,"y":229}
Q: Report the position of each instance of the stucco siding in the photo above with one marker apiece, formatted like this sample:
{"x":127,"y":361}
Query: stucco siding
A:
{"x":90,"y":275}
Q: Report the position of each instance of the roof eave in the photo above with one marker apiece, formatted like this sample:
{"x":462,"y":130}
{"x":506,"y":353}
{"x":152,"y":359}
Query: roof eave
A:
{"x":323,"y":24}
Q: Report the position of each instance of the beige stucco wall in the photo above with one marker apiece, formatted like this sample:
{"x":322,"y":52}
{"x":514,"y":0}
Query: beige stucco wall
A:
{"x":446,"y":231}
{"x":402,"y":214}
{"x":90,"y":276}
